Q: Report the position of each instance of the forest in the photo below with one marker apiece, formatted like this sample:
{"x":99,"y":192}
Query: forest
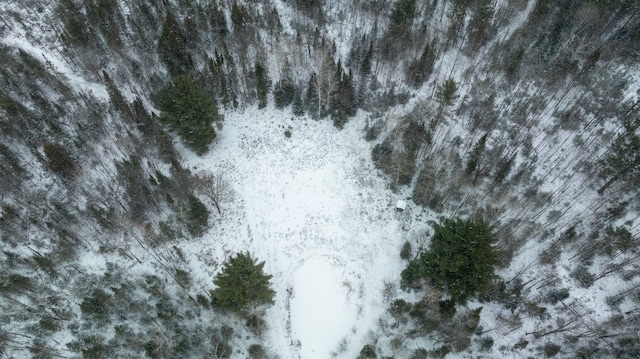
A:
{"x":219,"y":179}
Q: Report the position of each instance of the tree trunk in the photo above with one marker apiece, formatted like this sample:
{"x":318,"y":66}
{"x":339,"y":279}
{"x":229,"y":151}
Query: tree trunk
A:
{"x":606,"y":185}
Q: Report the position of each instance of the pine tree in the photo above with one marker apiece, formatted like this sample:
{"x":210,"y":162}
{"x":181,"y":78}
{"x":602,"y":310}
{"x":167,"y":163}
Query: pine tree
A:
{"x":474,"y":159}
{"x":242,"y":284}
{"x":197,"y":216}
{"x":190,"y":112}
{"x":172,"y":46}
{"x":298,"y":104}
{"x":262,"y":85}
{"x":460,"y":261}
{"x":623,"y":161}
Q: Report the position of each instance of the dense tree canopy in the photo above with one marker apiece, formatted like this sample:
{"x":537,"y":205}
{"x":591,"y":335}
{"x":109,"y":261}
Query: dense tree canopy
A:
{"x":242,"y":284}
{"x":460,"y":261}
{"x":190,"y":112}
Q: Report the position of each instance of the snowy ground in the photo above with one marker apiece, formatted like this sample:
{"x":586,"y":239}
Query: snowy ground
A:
{"x":315,"y":209}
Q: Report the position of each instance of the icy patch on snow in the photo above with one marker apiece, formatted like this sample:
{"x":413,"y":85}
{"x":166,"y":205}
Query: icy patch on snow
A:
{"x":323,"y":311}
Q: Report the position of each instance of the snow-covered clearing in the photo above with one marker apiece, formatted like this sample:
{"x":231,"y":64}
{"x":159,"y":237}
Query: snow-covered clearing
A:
{"x":315,"y":209}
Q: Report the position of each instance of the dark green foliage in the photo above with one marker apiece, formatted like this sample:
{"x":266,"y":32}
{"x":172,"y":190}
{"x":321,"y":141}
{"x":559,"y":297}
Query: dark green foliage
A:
{"x":486,"y":343}
{"x":137,"y":188}
{"x":441,"y":352}
{"x":582,"y":275}
{"x":298,"y":104}
{"x":59,"y":160}
{"x":401,"y":15}
{"x":381,"y":153}
{"x":203,"y":300}
{"x":618,"y":238}
{"x":14,"y":283}
{"x":98,"y":304}
{"x":183,"y":278}
{"x":419,"y":353}
{"x":399,"y":307}
{"x":197,"y":216}
{"x":365,"y":68}
{"x":217,"y":19}
{"x":419,"y":71}
{"x":460,"y":261}
{"x":239,"y":16}
{"x":447,"y":92}
{"x":503,"y":170}
{"x":117,"y":99}
{"x":172,"y":46}
{"x":190,"y":112}
{"x":257,"y":351}
{"x":287,"y":133}
{"x":472,"y":164}
{"x":551,"y":349}
{"x":46,"y":264}
{"x":9,"y":162}
{"x":521,"y":344}
{"x":368,"y":351}
{"x":262,"y":85}
{"x":344,"y":104}
{"x":76,"y":30}
{"x":405,"y":252}
{"x":623,"y":160}
{"x":556,"y":295}
{"x":256,"y":324}
{"x":284,"y":93}
{"x":241,"y":284}
{"x":315,"y":109}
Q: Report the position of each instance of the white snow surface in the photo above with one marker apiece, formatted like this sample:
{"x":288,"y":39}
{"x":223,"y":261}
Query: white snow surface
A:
{"x":312,"y":207}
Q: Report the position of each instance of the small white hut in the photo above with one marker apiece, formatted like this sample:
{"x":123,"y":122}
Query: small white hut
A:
{"x":401,"y":205}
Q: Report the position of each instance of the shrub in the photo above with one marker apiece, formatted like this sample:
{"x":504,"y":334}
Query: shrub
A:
{"x":555,"y":295}
{"x":405,"y":252}
{"x":551,"y":349}
{"x":197,"y":216}
{"x":399,"y":307}
{"x":256,"y":351}
{"x":419,"y":353}
{"x":486,"y":343}
{"x":368,"y":352}
{"x":256,"y":324}
{"x":582,"y":275}
{"x":59,"y":160}
{"x":441,"y":352}
{"x":97,"y":304}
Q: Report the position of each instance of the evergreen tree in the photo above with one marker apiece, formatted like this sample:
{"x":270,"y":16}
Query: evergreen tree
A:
{"x":262,"y":85}
{"x":402,"y":13}
{"x":242,"y":284}
{"x":365,"y":68}
{"x":447,"y":92}
{"x":460,"y":261}
{"x":59,"y":160}
{"x":419,"y":71}
{"x":623,"y":161}
{"x":283,"y":93}
{"x":172,"y":46}
{"x":472,"y":164}
{"x":197,"y":216}
{"x":190,"y":112}
{"x":298,"y":104}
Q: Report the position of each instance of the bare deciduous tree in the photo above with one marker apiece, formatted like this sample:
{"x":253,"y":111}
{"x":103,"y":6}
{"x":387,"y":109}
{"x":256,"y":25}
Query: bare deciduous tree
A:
{"x":215,"y":186}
